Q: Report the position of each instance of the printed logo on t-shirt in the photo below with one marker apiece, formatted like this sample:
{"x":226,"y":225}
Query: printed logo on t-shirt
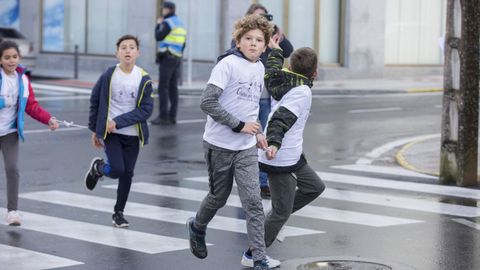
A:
{"x":249,"y":91}
{"x":124,"y":94}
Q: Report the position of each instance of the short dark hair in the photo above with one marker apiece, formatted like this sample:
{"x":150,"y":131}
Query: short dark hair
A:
{"x":251,"y":9}
{"x":170,"y":5}
{"x":8,"y":44}
{"x":304,"y":61}
{"x":127,"y":37}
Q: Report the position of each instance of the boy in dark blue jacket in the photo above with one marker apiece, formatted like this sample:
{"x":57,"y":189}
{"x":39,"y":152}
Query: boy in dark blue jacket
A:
{"x":120,"y":105}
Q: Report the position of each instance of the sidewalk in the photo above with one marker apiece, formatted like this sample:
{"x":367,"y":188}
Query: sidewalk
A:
{"x":420,"y":156}
{"x":338,"y":87}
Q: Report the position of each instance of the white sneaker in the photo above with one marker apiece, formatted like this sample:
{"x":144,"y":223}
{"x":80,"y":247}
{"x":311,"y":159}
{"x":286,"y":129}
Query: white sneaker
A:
{"x":13,"y":218}
{"x":248,"y":261}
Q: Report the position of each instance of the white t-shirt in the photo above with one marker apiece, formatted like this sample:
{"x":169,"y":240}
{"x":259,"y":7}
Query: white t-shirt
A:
{"x":242,"y":84}
{"x":8,"y":115}
{"x":124,"y":96}
{"x":298,"y":101}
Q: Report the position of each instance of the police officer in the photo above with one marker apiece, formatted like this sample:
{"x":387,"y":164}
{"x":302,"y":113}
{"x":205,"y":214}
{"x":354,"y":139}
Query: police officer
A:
{"x":171,"y":36}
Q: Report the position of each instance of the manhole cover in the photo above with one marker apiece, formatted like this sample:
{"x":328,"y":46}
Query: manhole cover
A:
{"x":342,"y":265}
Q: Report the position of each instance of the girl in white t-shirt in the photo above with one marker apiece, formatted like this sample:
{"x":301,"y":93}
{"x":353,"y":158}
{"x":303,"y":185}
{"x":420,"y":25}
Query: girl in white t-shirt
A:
{"x":231,"y":134}
{"x":16,"y":98}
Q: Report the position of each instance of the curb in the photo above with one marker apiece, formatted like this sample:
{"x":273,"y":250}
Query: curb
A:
{"x":402,"y":161}
{"x":424,"y":90}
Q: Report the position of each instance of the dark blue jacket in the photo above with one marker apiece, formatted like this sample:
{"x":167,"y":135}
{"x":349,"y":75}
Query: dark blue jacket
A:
{"x":100,"y":107}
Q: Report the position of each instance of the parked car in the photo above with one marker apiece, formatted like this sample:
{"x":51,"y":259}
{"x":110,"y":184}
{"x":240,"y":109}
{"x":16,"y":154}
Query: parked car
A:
{"x":25,"y":46}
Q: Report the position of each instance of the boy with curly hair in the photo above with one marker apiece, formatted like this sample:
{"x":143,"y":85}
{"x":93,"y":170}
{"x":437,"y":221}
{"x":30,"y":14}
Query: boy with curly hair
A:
{"x":231,"y":101}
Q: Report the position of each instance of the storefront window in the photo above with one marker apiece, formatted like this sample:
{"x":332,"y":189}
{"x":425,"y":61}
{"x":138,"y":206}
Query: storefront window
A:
{"x":203,"y":27}
{"x":318,"y":28}
{"x":329,"y":37}
{"x":63,"y":25}
{"x":107,"y":21}
{"x":413,"y":30}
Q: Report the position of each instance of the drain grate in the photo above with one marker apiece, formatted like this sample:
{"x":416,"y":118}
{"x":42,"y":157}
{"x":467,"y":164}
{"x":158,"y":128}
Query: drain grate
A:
{"x":343,"y":265}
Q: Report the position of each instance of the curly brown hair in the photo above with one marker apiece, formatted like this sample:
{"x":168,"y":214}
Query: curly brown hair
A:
{"x":252,"y":22}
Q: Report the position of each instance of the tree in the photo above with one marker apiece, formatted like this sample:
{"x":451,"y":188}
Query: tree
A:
{"x":459,"y":141}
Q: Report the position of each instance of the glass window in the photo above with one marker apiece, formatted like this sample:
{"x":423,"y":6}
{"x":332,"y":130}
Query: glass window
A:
{"x":107,"y":21}
{"x":300,"y":31}
{"x":204,"y":27}
{"x":275,"y":8}
{"x":63,"y":25}
{"x":329,"y":37}
{"x":413,"y":30}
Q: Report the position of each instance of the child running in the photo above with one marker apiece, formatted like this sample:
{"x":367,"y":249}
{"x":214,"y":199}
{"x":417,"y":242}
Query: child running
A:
{"x":231,"y":101}
{"x":293,"y":184}
{"x":120,"y":105}
{"x":16,"y":98}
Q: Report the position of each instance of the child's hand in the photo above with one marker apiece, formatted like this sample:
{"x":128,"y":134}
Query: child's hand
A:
{"x":250,"y":128}
{"x":53,"y":123}
{"x":96,"y":142}
{"x":262,"y":142}
{"x":111,"y":126}
{"x":271,"y":152}
{"x":275,"y":41}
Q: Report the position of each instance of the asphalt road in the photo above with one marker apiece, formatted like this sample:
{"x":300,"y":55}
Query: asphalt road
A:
{"x":374,"y":212}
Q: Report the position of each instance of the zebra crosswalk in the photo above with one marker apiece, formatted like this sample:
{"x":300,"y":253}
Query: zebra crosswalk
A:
{"x":343,"y":189}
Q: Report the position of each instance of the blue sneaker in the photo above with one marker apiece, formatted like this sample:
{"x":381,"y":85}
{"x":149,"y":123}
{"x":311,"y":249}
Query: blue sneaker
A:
{"x":261,"y":266}
{"x":248,"y":261}
{"x":197,"y":241}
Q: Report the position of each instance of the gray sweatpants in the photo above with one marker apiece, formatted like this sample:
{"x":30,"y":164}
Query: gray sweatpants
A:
{"x":9,"y":147}
{"x":223,"y":166}
{"x":287,"y":199}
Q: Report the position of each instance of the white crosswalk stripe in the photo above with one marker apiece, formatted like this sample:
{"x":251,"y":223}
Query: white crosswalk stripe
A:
{"x":99,"y":234}
{"x":314,"y":212}
{"x":147,"y":211}
{"x":151,"y":243}
{"x":14,"y":258}
{"x":395,"y":201}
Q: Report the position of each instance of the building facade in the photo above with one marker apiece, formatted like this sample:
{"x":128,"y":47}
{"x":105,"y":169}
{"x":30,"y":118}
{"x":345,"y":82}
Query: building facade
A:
{"x":354,"y":39}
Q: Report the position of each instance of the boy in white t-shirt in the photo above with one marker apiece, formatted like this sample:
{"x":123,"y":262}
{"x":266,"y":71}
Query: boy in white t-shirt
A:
{"x":231,"y":101}
{"x":293,"y":184}
{"x":120,"y":105}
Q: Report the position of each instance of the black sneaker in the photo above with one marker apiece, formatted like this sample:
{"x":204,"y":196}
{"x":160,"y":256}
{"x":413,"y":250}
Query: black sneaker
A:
{"x":265,"y":192}
{"x":197,"y":241}
{"x":119,"y":221}
{"x":93,"y":174}
{"x":160,"y":121}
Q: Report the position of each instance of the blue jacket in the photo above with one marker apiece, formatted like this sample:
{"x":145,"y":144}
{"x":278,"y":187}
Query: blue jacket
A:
{"x":100,"y":107}
{"x":26,"y":103}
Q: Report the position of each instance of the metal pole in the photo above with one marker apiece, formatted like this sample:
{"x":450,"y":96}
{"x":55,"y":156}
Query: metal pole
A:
{"x":189,"y":42}
{"x":75,"y":62}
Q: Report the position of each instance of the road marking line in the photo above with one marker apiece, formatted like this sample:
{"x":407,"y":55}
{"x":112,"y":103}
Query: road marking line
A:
{"x":62,"y":98}
{"x":146,"y":211}
{"x":391,"y":201}
{"x":400,"y":185}
{"x":14,"y":258}
{"x":377,"y":152}
{"x":376,"y":110}
{"x":384,"y":170}
{"x":309,"y":211}
{"x":467,"y":223}
{"x":61,"y":88}
{"x":100,"y":234}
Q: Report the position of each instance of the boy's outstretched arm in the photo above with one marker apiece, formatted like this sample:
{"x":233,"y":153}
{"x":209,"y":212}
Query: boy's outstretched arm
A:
{"x":212,"y":107}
